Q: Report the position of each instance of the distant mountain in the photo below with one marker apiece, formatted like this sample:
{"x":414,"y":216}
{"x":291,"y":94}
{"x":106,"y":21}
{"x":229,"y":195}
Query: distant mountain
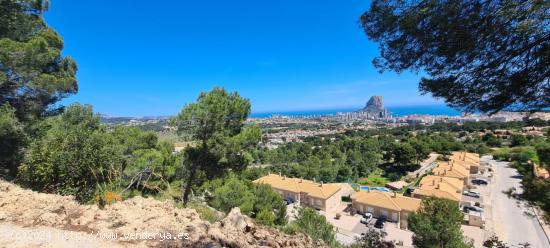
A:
{"x":375,"y":108}
{"x":374,"y":105}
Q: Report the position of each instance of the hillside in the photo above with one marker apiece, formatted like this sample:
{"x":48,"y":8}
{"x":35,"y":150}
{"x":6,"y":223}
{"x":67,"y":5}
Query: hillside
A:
{"x":31,"y":219}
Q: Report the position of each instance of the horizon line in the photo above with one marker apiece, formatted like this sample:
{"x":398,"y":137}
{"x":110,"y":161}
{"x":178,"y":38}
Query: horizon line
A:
{"x":344,"y":109}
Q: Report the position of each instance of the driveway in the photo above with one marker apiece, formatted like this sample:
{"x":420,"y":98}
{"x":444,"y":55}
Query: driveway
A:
{"x":396,"y":234}
{"x":345,"y":225}
{"x":348,"y":228}
{"x":512,"y":219}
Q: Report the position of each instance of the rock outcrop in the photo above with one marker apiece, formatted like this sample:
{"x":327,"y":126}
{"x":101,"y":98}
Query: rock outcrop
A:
{"x":136,"y":222}
{"x":374,"y":105}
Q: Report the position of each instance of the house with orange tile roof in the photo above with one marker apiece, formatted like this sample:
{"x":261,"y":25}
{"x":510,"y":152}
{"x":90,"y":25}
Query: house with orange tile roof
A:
{"x":310,"y":193}
{"x":467,"y":159}
{"x":393,"y":206}
{"x":440,"y":186}
{"x":452,"y":169}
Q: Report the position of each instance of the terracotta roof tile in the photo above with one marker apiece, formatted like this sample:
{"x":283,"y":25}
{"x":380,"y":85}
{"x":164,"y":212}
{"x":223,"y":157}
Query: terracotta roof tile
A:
{"x":446,"y":187}
{"x":387,"y":200}
{"x":297,"y":185}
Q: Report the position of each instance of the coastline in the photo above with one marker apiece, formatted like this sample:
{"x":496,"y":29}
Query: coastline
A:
{"x":394,"y":110}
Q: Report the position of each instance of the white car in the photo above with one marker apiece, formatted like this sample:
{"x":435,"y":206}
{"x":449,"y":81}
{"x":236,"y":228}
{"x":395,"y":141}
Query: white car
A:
{"x":366,"y":218}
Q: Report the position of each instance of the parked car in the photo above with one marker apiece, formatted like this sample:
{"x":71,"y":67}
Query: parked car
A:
{"x":366,"y":218}
{"x":289,"y":201}
{"x":380,"y":222}
{"x":467,"y":209}
{"x":367,"y":215}
{"x":471,"y":194}
{"x":410,"y":190}
{"x":479,"y":182}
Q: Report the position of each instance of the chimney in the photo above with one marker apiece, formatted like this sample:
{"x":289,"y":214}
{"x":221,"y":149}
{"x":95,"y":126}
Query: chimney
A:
{"x":300,"y":179}
{"x":394,"y":194}
{"x":321,"y":185}
{"x":433,"y":182}
{"x":314,"y":180}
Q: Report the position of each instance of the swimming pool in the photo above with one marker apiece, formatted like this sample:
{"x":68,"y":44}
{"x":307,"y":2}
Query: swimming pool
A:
{"x":383,"y":189}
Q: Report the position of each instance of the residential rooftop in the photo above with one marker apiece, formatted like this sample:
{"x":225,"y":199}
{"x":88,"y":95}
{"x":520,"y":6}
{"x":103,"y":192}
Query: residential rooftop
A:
{"x":298,"y":185}
{"x":465,"y":156}
{"x":387,"y":200}
{"x":451,"y":169}
{"x":439,"y":186}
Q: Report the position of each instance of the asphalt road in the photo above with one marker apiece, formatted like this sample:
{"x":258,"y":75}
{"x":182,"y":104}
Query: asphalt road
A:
{"x":512,"y":219}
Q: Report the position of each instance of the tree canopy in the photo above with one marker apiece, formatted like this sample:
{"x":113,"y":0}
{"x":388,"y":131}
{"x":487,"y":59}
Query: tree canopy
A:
{"x":478,"y":55}
{"x":34,"y":76}
{"x":372,"y":238}
{"x":216,"y":121}
{"x":33,"y":73}
{"x":12,"y":138}
{"x":437,"y":224}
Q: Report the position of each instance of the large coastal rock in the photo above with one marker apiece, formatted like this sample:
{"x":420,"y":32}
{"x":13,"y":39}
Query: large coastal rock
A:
{"x":374,"y":105}
{"x":31,"y":219}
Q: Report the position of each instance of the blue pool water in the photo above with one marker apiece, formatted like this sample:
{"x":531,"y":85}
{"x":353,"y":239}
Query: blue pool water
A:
{"x":384,"y":189}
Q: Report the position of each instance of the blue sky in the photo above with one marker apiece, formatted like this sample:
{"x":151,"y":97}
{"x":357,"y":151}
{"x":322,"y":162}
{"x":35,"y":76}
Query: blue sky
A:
{"x":142,"y":58}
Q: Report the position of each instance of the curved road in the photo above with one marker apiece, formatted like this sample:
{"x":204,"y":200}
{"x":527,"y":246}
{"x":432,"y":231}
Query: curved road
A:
{"x":513,"y":220}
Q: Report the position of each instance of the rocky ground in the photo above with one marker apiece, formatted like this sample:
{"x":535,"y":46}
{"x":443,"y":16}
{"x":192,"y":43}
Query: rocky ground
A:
{"x":31,"y":219}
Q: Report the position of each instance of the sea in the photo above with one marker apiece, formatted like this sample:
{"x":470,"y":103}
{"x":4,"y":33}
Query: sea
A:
{"x":395,"y":111}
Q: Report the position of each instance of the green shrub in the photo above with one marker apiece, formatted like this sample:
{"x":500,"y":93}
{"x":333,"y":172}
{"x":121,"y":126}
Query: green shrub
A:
{"x":543,"y":152}
{"x":315,"y":225}
{"x":503,"y":154}
{"x":12,"y":140}
{"x":374,"y":179}
{"x":265,"y":217}
{"x":75,"y":156}
{"x":233,"y":193}
{"x":267,"y":199}
{"x":525,"y":154}
{"x":290,"y":228}
{"x":253,"y":200}
{"x":205,"y":212}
